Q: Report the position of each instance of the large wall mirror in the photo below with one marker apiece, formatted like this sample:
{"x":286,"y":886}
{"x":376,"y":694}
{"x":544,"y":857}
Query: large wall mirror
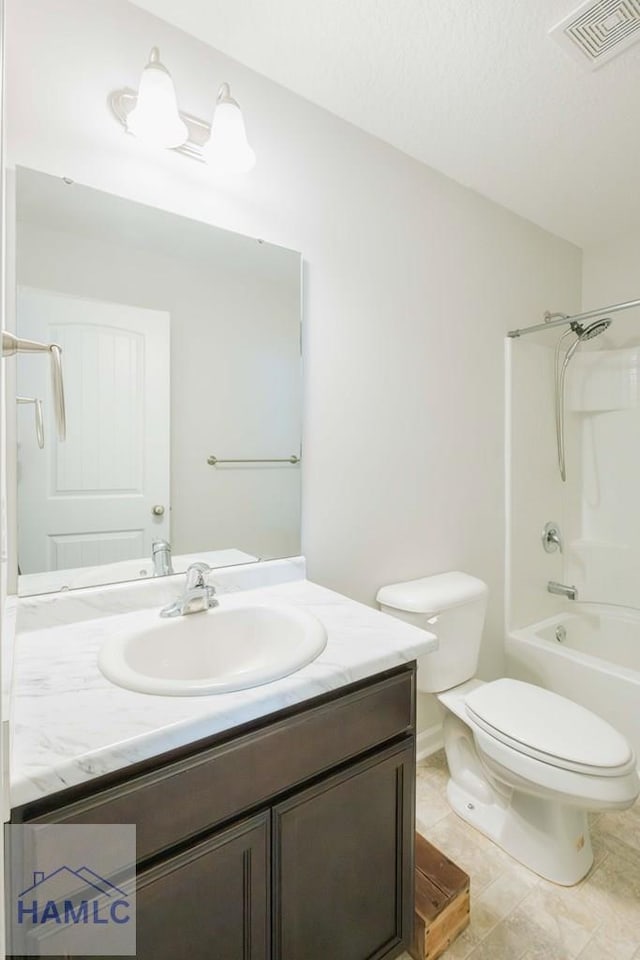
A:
{"x":182,"y":370}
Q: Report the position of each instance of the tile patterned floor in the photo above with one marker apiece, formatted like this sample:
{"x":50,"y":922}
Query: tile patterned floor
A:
{"x":516,"y":915}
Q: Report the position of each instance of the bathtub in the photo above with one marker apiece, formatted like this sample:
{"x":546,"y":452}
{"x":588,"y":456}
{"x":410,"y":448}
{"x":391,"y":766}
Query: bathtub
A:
{"x":591,"y":655}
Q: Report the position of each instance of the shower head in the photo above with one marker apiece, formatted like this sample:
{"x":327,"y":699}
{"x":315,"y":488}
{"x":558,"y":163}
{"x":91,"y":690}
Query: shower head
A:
{"x":583,"y":334}
{"x":593,"y":330}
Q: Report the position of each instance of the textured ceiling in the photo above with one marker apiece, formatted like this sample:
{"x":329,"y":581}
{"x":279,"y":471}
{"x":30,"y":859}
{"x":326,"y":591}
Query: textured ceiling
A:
{"x":475,"y":89}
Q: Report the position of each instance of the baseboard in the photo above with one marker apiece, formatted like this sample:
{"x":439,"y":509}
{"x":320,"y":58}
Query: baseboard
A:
{"x":429,"y":741}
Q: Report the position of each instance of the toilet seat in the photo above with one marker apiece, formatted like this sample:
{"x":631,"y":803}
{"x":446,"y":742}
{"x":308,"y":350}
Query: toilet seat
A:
{"x":549,"y":728}
{"x":590,"y":791}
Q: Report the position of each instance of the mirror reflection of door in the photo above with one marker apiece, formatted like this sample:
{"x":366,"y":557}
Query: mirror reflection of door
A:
{"x":90,"y":500}
{"x":236,"y":389}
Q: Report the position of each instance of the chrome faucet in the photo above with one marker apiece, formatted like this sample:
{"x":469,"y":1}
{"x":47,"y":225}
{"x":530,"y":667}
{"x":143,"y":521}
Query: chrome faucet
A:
{"x":198,"y":596}
{"x":161,"y":556}
{"x":562,"y":590}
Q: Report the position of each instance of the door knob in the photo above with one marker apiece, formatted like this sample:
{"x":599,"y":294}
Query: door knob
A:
{"x":157,"y":510}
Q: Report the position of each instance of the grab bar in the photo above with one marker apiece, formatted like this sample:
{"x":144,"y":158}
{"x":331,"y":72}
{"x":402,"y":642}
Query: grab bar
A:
{"x":12,"y":345}
{"x":39,"y":418}
{"x":212,"y":461}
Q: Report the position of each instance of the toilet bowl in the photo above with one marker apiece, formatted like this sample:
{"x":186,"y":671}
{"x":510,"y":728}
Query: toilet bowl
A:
{"x":525,"y":764}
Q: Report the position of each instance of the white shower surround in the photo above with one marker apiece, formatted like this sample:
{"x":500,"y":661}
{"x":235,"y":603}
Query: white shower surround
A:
{"x":596,"y":665}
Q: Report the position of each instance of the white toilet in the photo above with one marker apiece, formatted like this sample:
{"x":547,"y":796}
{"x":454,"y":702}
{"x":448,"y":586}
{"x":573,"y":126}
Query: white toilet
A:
{"x":525,"y":764}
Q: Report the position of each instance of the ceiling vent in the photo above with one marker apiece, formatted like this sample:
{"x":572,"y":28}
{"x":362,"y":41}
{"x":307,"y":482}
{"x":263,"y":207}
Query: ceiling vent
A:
{"x":597,"y":32}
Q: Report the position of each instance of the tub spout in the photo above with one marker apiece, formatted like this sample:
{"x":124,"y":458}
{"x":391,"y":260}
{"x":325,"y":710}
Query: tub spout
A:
{"x":562,"y":590}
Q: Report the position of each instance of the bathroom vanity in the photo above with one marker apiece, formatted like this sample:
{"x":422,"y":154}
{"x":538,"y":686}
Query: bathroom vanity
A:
{"x":296,"y":831}
{"x":287,"y":834}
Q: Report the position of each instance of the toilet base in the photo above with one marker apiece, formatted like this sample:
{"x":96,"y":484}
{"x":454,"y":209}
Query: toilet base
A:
{"x":548,"y":837}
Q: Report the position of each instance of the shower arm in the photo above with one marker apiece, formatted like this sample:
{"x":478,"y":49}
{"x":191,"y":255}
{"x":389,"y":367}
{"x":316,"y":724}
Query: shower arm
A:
{"x":12,"y":345}
{"x":576,"y":318}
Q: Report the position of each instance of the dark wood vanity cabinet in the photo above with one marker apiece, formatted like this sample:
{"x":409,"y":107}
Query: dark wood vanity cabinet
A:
{"x":288,"y":839}
{"x":341,"y":889}
{"x":211,"y":900}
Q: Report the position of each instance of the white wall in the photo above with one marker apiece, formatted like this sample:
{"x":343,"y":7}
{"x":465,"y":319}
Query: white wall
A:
{"x":612,"y":275}
{"x":535,"y":492}
{"x":230,"y":329}
{"x":411,"y":283}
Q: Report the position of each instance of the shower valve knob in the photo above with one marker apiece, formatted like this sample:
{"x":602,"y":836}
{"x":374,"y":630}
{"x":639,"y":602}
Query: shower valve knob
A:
{"x":551,"y":537}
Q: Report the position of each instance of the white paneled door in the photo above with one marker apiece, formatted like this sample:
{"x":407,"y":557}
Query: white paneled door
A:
{"x":91,"y":499}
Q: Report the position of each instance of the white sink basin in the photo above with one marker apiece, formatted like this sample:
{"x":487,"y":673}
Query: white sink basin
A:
{"x":224,"y":649}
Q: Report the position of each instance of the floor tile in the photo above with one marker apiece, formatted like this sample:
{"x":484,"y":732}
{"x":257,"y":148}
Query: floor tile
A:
{"x":566,"y":919}
{"x":614,"y":843}
{"x":434,"y":771}
{"x":498,"y":900}
{"x":624,"y":825}
{"x":431,"y":805}
{"x":613,"y":893}
{"x":503,"y":943}
{"x":463,"y":945}
{"x":601,"y":948}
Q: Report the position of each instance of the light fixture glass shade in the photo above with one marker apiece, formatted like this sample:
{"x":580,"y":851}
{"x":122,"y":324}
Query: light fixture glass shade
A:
{"x":228,"y":150}
{"x":155,"y":118}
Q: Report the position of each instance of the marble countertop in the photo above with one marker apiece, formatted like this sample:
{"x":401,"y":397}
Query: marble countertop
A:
{"x":70,"y":724}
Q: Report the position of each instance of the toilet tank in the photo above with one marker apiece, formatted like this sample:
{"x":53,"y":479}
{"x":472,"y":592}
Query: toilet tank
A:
{"x":450,"y":605}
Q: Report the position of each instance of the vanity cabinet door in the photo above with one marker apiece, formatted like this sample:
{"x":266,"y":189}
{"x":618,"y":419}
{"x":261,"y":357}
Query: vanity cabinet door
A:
{"x":343,"y":863}
{"x":210,"y":902}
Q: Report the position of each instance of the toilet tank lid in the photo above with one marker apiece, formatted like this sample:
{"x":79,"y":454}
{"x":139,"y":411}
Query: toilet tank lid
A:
{"x":432,"y":594}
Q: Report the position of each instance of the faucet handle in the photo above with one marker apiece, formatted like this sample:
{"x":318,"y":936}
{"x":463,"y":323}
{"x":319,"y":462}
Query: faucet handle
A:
{"x":551,"y":537}
{"x":197,"y":574}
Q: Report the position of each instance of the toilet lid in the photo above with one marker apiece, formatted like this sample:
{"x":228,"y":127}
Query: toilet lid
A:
{"x":545,"y":725}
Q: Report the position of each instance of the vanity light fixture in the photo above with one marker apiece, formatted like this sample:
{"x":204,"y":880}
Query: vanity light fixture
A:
{"x":152,"y":114}
{"x":228,"y":150}
{"x":155,"y":117}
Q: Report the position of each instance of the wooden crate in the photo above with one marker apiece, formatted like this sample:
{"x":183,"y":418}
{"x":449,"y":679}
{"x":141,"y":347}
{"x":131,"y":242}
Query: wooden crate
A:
{"x":441,"y":903}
